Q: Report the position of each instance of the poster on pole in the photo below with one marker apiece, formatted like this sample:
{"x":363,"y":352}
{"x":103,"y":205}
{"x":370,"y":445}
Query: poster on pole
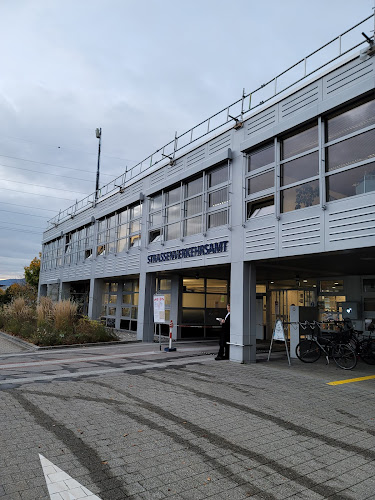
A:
{"x":278,"y":332}
{"x":159,"y":309}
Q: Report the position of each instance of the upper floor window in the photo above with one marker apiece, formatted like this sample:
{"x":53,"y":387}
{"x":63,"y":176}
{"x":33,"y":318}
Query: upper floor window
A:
{"x":191,"y":207}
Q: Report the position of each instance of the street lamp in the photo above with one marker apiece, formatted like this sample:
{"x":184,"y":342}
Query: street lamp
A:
{"x":98,"y":133}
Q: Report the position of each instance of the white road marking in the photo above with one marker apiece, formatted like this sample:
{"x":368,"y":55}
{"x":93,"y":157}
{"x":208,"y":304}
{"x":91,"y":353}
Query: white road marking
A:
{"x":61,"y":486}
{"x":37,"y":378}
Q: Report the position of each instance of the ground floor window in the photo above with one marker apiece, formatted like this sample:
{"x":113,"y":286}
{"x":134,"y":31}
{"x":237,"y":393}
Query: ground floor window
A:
{"x":203,"y":300}
{"x":120,"y":304}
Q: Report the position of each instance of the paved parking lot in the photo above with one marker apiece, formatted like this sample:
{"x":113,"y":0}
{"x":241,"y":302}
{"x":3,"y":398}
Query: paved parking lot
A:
{"x":157,"y":425}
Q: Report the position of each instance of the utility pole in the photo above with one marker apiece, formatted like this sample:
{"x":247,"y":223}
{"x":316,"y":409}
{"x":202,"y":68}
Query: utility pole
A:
{"x":98,"y":133}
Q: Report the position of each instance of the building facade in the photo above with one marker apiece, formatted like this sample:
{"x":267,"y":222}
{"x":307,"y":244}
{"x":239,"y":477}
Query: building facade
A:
{"x":275,"y":209}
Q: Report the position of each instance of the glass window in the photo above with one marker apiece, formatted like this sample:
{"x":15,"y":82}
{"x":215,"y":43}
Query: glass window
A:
{"x":193,"y":225}
{"x":258,"y":208}
{"x":369,"y":285}
{"x":165,"y":284}
{"x":215,"y":301}
{"x":155,"y":236}
{"x":136,"y":211}
{"x":172,"y":231}
{"x":218,"y":219}
{"x":218,"y":176}
{"x":261,"y":182}
{"x":193,"y":316}
{"x":217,"y":286}
{"x":193,"y":284}
{"x":193,"y":300}
{"x":217,"y":198}
{"x":155,"y":219}
{"x":173,"y":196}
{"x":300,"y":168}
{"x":358,"y":180}
{"x":353,"y":150}
{"x":122,"y":245}
{"x":261,"y":157}
{"x":347,"y":122}
{"x":300,"y":142}
{"x":156,"y":202}
{"x":135,"y":241}
{"x":194,"y":187}
{"x":193,"y":206}
{"x":369,"y":303}
{"x":305,"y":195}
{"x":332,"y":286}
{"x":173,"y":213}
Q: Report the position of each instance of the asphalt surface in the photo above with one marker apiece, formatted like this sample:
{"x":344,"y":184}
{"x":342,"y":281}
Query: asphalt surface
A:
{"x":131,"y":421}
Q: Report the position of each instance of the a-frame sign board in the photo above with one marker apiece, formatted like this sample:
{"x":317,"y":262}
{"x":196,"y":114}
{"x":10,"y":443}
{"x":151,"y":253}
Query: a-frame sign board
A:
{"x":278,"y":334}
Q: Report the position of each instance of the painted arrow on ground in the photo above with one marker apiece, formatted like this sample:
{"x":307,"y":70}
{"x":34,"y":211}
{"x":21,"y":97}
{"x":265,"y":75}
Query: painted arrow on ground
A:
{"x":61,"y":486}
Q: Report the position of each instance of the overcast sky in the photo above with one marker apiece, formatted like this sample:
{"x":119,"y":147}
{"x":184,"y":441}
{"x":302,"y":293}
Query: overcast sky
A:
{"x":140,"y":70}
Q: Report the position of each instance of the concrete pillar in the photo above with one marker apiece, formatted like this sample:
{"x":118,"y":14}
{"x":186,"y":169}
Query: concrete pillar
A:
{"x":95,"y":298}
{"x":175,"y":304}
{"x":147,"y":289}
{"x":243,"y":312}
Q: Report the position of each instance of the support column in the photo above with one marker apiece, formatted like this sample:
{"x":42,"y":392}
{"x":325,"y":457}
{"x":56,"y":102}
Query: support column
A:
{"x":175,"y":304}
{"x":95,"y":298}
{"x":147,"y":288}
{"x":243,"y":312}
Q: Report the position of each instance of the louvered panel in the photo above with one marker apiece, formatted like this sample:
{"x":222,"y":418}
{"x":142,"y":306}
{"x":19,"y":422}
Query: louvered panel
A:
{"x":99,"y":268}
{"x":49,"y":275}
{"x":157,"y":177}
{"x":300,"y":101}
{"x":176,"y":168}
{"x":262,"y":121}
{"x":110,"y":265}
{"x":260,"y":239}
{"x":351,"y":225}
{"x":196,"y":156}
{"x":121,"y":263}
{"x":301,"y":233}
{"x":136,"y":188}
{"x":350,"y":74}
{"x":222,"y":142}
{"x":133,"y":263}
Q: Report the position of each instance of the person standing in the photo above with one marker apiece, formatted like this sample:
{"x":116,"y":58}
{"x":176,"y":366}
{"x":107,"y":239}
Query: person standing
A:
{"x":224,"y":337}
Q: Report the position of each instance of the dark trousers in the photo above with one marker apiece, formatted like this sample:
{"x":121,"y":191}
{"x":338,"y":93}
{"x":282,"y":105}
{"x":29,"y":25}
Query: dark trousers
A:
{"x":223,"y":346}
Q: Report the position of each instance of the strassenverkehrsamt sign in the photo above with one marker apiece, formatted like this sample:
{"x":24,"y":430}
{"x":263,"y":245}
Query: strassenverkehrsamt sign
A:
{"x":184,"y":253}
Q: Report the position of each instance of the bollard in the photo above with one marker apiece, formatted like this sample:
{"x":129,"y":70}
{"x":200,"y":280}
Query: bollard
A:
{"x":170,"y":348}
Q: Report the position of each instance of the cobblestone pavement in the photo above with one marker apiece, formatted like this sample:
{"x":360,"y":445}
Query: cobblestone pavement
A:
{"x":184,"y":426}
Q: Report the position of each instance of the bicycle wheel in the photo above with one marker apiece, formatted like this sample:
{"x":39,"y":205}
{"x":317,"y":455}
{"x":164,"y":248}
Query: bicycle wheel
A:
{"x":308,"y":351}
{"x":367,"y":350}
{"x":344,"y":356}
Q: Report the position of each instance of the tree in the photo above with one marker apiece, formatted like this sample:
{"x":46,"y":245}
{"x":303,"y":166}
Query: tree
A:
{"x":32,"y":272}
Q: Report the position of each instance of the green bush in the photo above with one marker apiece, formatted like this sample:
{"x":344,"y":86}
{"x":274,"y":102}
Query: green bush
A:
{"x":48,"y":326}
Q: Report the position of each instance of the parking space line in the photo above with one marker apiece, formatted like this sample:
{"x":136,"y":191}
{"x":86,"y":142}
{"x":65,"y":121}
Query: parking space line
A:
{"x":350,"y":380}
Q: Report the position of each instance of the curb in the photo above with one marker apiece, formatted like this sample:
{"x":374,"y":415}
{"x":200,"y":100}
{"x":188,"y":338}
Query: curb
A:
{"x":33,"y":347}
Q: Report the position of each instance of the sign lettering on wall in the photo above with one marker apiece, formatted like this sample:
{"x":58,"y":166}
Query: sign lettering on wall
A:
{"x":221,"y":246}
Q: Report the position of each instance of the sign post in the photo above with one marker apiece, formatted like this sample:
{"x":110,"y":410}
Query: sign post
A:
{"x":159,"y":313}
{"x":279,"y":334}
{"x":170,"y":348}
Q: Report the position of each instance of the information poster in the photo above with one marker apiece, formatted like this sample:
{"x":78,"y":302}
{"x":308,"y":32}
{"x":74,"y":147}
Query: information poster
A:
{"x":278,"y":333}
{"x":159,"y":309}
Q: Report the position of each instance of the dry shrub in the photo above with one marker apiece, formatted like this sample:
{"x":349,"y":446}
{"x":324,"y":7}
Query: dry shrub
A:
{"x":44,"y":310}
{"x":65,"y":313}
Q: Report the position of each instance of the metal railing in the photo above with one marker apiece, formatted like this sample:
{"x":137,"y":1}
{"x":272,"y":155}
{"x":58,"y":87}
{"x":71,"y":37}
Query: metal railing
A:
{"x":234,"y":113}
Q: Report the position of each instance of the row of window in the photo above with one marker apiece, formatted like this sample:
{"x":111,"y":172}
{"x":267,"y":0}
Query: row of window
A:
{"x":347,"y":148}
{"x":190,"y":207}
{"x":339,"y":149}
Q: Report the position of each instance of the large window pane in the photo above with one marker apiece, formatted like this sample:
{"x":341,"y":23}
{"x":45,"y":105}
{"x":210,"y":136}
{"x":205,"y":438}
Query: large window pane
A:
{"x":193,"y":284}
{"x":218,"y":219}
{"x":358,"y":180}
{"x":299,"y":169}
{"x":173,"y":213}
{"x":261,"y":157}
{"x":155,"y":202}
{"x":353,"y":150}
{"x":258,"y":208}
{"x":173,"y":196}
{"x":300,"y":142}
{"x":261,"y":182}
{"x":193,"y":225}
{"x":155,"y":219}
{"x":218,"y":176}
{"x":193,"y":299}
{"x":217,"y":198}
{"x":194,"y":187}
{"x":351,"y":120}
{"x":193,"y":206}
{"x":172,"y":231}
{"x":216,"y":301}
{"x":193,"y":316}
{"x":217,"y":286}
{"x":301,"y":196}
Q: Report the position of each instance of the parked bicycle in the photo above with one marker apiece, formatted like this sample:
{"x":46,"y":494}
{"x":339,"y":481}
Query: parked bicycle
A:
{"x":337,"y":347}
{"x":363,"y":344}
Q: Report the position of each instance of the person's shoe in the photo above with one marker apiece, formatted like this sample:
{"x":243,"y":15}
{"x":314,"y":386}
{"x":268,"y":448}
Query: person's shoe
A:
{"x":219,"y":358}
